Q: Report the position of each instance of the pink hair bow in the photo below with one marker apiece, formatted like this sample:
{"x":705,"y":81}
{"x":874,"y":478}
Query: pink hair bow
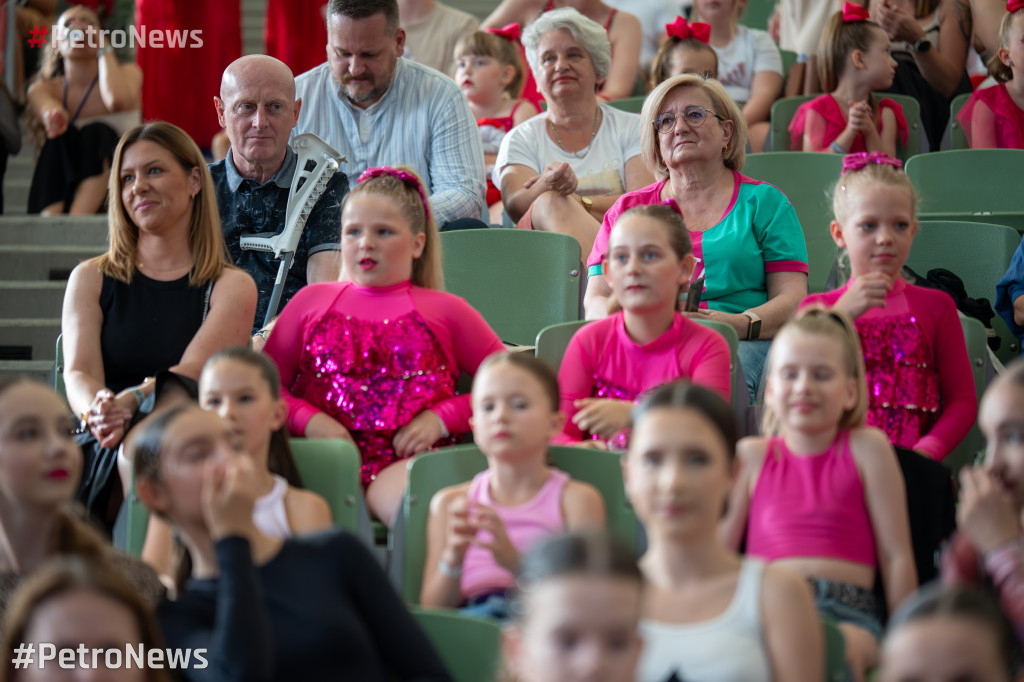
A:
{"x":682,"y":30}
{"x":1014,"y":5}
{"x":854,"y":12}
{"x":853,"y":162}
{"x":405,"y":176}
{"x":509,"y":32}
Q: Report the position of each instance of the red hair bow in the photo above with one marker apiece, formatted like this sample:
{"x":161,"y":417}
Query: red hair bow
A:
{"x":682,"y":30}
{"x":1014,"y":5}
{"x":854,"y":12}
{"x":509,"y":32}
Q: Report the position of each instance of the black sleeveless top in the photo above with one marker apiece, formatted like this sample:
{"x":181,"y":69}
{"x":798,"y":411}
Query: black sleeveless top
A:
{"x":147,"y":325}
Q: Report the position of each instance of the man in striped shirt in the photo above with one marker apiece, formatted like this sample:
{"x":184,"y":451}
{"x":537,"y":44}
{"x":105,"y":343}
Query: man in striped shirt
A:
{"x":379,"y":109}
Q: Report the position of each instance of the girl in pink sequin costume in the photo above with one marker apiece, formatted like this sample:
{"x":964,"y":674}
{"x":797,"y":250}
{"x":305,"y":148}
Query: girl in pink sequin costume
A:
{"x":611,"y":362}
{"x":853,"y":61}
{"x":994,"y":117}
{"x":821,"y":493}
{"x":491,"y":73}
{"x":477,"y":531}
{"x":375,"y":357}
{"x":920,"y":386}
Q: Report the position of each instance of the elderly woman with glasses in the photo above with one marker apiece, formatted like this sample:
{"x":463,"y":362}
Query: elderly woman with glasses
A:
{"x":749,"y":246}
{"x":560,"y":171}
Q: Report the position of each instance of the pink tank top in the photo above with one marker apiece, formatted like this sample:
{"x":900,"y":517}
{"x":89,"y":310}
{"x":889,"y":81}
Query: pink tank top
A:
{"x":810,"y":506}
{"x":525,"y":525}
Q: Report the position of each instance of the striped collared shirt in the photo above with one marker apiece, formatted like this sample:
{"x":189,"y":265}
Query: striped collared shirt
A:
{"x":422,"y":121}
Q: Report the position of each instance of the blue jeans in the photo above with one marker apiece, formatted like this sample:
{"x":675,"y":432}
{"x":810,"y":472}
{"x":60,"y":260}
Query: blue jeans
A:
{"x":753,"y":355}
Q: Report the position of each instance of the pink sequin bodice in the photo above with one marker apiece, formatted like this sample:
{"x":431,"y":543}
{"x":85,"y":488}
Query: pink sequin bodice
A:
{"x":903,"y":381}
{"x":373,"y":377}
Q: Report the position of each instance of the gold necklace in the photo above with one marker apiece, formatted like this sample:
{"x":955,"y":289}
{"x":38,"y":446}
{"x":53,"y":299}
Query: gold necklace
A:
{"x":593,"y":134}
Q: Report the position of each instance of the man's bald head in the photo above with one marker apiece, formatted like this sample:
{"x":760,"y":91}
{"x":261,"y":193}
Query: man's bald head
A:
{"x":256,"y":68}
{"x":257,"y":107}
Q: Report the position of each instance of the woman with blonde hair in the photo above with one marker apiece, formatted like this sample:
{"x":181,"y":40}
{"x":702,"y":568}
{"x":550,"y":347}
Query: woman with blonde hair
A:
{"x":156,"y":305}
{"x":747,"y":241}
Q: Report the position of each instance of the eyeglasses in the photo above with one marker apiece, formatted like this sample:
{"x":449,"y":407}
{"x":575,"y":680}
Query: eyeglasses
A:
{"x":693,"y":115}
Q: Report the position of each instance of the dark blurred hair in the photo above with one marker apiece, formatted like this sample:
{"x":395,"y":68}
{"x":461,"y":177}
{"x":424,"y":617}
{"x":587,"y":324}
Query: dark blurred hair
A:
{"x":683,"y":395}
{"x":967,"y":603}
{"x":593,"y":553}
{"x":361,"y":9}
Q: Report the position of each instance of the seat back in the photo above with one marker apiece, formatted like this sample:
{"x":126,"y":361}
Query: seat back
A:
{"x":469,"y":647}
{"x":916,"y":137}
{"x":631,"y":104}
{"x":978,"y":253}
{"x":429,"y":472}
{"x":329,"y":468}
{"x":553,"y":340}
{"x":969,"y":184}
{"x":782,"y":113}
{"x":757,"y":13}
{"x":956,"y":138}
{"x":519,"y":280}
{"x":432,"y":471}
{"x":805,"y":178}
{"x":835,"y":652}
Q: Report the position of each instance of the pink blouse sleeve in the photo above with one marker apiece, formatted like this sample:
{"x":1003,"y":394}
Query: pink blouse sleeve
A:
{"x":469,"y":340}
{"x":956,"y":383}
{"x":285,"y":346}
{"x":711,"y":363}
{"x":575,"y":381}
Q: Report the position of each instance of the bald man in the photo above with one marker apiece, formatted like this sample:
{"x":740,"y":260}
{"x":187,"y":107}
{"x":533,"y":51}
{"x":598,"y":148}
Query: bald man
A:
{"x":257,"y":108}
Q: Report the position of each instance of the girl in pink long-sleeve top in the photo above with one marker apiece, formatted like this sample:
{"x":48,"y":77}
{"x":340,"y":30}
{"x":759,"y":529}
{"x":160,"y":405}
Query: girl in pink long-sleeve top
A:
{"x":920,"y":386}
{"x":611,"y":362}
{"x":374,"y":358}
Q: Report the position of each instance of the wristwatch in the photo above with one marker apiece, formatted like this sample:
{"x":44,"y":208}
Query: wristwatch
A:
{"x":922,"y":46}
{"x":754,"y":328}
{"x":587,"y":202}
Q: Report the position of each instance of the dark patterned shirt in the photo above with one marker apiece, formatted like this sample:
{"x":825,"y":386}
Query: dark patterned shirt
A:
{"x":248,"y":209}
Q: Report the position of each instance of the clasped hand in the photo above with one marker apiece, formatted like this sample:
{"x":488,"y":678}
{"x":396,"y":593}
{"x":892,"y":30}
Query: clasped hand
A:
{"x":558,"y":177}
{"x":465,"y":520}
{"x":108,"y":418}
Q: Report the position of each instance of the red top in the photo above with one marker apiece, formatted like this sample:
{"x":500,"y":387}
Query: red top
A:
{"x":179,"y":80}
{"x":1007,"y":117}
{"x":810,"y":506}
{"x":827,"y":107}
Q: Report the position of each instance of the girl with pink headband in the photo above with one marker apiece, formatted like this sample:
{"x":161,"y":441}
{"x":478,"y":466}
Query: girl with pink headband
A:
{"x":375,"y":357}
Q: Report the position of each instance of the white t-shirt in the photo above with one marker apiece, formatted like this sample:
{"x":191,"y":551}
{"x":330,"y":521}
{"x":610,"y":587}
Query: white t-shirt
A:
{"x":600,"y":173}
{"x":749,"y":52}
{"x":653,"y":15}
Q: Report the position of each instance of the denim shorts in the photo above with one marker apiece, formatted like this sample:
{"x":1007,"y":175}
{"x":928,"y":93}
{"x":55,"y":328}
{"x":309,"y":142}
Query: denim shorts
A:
{"x":846,"y":603}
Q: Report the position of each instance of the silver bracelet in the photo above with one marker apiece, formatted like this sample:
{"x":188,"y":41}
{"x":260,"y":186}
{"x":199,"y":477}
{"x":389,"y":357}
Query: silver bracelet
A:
{"x":449,"y":571}
{"x":838,"y":149}
{"x":103,"y":50}
{"x":138,"y":395}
